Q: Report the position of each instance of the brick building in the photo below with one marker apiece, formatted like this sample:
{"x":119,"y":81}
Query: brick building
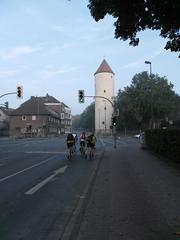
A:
{"x":40,"y":116}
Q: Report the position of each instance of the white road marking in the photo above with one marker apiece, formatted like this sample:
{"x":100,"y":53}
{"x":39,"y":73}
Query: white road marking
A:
{"x":31,"y":152}
{"x":45,"y":181}
{"x":118,"y":142}
{"x":102,"y":142}
{"x":25,"y":170}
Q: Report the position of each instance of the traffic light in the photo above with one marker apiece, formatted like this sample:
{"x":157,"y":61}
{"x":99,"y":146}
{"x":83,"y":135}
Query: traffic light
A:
{"x":6,"y":104}
{"x":19,"y":91}
{"x":81,"y":96}
{"x":114,"y":121}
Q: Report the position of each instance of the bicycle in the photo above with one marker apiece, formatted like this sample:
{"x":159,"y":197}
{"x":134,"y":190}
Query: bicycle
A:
{"x":91,"y":153}
{"x":71,"y":151}
{"x":82,"y":148}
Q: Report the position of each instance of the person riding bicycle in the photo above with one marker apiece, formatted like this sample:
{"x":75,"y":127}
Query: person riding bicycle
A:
{"x":91,"y":142}
{"x":75,"y":140}
{"x":82,"y":142}
{"x":70,"y":143}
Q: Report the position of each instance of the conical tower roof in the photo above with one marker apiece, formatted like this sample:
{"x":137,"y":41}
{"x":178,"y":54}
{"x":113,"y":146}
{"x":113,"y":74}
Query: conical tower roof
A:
{"x":104,"y":67}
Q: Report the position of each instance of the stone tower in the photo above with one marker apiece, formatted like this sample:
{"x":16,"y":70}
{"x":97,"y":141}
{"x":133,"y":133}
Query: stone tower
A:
{"x":104,"y":87}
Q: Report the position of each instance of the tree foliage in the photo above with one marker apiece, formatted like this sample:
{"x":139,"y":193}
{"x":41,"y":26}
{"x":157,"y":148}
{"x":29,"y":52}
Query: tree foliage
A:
{"x":133,"y":16}
{"x":147,"y":101}
{"x":86,"y":120}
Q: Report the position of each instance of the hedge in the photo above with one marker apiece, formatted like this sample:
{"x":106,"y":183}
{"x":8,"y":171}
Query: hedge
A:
{"x":165,"y":142}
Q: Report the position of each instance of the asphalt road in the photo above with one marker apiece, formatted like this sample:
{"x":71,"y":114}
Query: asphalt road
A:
{"x":131,"y":195}
{"x":39,"y":187}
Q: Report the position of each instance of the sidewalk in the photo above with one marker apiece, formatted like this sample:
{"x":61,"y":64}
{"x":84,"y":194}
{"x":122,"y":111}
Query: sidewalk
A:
{"x":119,"y":207}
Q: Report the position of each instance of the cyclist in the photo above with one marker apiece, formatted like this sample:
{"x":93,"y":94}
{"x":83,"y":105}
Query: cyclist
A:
{"x":70,"y":144}
{"x":82,"y":143}
{"x":91,"y":142}
{"x":75,"y":140}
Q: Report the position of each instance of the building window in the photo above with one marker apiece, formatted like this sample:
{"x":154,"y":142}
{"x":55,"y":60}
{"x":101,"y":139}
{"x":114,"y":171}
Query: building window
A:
{"x":104,"y":91}
{"x":34,"y":118}
{"x":62,"y":115}
{"x":24,"y":118}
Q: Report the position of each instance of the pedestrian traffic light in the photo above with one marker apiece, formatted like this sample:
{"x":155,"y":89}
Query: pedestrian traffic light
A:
{"x":114,"y":121}
{"x":6,"y":104}
{"x":19,"y":91}
{"x":81,"y":96}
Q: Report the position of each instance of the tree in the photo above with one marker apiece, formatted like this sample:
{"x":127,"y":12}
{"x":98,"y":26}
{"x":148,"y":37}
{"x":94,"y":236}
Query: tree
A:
{"x":76,"y":121}
{"x":133,"y":16}
{"x":87,"y":118}
{"x":147,"y":100}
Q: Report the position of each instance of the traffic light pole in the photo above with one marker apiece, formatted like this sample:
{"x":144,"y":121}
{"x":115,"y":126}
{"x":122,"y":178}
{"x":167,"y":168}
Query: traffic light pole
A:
{"x":115,"y":136}
{"x":113,"y":127}
{"x":7,"y":94}
{"x":103,"y":98}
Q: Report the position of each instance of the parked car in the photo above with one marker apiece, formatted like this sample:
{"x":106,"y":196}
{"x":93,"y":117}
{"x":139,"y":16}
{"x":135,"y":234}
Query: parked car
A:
{"x":137,"y":136}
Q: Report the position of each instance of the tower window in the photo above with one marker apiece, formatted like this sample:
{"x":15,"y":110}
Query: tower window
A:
{"x":104,"y":91}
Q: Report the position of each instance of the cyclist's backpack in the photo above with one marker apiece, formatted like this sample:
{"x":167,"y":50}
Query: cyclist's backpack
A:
{"x":89,"y":139}
{"x":93,"y":139}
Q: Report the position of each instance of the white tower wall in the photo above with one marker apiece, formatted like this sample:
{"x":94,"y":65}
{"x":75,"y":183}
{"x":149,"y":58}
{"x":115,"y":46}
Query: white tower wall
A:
{"x":104,"y":86}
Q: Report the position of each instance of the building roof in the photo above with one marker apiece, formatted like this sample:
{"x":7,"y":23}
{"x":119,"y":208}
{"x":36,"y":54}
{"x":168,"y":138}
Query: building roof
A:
{"x":104,"y":67}
{"x":36,"y":106}
{"x":64,"y":105}
{"x":7,"y":111}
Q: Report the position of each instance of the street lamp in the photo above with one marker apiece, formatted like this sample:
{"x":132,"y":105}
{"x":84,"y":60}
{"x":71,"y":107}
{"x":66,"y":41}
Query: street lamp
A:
{"x":148,"y":62}
{"x":152,"y":112}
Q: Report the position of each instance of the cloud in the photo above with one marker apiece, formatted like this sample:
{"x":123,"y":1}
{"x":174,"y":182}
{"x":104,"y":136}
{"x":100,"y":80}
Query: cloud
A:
{"x":57,"y":28}
{"x":7,"y":73}
{"x":16,"y":52}
{"x":139,"y":62}
{"x":92,"y":30}
{"x":47,"y":74}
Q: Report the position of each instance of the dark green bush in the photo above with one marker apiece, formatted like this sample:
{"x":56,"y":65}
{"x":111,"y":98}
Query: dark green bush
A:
{"x":165,"y":142}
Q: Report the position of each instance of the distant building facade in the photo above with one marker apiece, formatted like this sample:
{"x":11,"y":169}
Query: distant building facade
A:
{"x":39,"y":116}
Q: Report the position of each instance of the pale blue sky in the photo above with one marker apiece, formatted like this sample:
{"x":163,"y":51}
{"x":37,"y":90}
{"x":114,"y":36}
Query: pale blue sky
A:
{"x":55,"y":47}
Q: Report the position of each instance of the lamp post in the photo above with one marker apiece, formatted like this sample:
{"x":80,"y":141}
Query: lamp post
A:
{"x":148,"y":62}
{"x":152,"y":113}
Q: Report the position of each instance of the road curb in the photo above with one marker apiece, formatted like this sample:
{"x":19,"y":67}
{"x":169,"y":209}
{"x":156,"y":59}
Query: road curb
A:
{"x":73,"y":224}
